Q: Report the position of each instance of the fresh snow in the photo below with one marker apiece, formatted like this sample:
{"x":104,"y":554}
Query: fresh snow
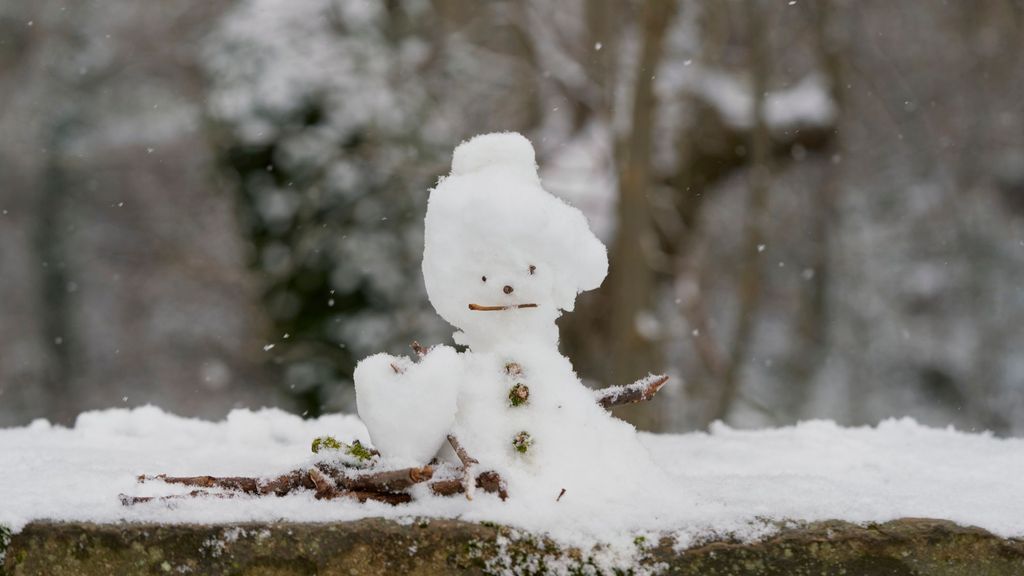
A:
{"x":726,"y":481}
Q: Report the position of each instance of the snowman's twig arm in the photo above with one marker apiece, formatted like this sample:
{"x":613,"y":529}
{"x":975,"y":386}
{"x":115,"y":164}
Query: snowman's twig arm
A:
{"x":643,"y":389}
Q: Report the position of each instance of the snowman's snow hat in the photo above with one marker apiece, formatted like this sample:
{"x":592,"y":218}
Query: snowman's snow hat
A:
{"x":509,"y":149}
{"x":492,"y":208}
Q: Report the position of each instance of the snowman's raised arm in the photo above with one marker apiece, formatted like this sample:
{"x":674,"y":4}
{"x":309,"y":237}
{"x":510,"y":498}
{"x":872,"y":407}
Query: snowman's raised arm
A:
{"x":639,"y":391}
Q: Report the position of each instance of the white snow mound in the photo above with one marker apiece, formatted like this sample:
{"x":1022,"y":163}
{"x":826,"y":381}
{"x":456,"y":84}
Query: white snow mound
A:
{"x":725,"y":481}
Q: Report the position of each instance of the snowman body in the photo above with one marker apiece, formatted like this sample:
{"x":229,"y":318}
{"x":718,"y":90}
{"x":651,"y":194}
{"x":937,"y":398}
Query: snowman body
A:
{"x":556,"y":438}
{"x":503,"y":259}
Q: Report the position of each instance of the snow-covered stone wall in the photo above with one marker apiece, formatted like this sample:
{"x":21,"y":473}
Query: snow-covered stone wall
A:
{"x":433,"y":547}
{"x":728,"y":481}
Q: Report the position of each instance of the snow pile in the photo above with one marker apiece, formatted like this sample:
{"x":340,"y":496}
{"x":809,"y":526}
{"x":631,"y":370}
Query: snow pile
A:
{"x":726,"y":481}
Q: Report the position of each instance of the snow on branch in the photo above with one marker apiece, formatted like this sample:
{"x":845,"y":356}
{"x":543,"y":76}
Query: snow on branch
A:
{"x":329,"y":481}
{"x":806,"y":104}
{"x":639,"y":391}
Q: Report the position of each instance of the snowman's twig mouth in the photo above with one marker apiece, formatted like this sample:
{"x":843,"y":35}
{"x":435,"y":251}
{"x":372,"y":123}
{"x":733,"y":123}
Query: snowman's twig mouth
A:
{"x":479,"y":308}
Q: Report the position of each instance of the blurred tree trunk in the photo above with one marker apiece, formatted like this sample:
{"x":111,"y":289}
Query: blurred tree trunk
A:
{"x":125,"y":283}
{"x":813,"y":315}
{"x":603,"y":18}
{"x":631,"y":280}
{"x":983,"y":375}
{"x":750,"y":280}
{"x":50,"y":243}
{"x":604,"y":23}
{"x":53,"y":226}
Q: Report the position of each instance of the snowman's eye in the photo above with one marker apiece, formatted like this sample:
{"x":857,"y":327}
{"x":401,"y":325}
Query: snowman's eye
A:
{"x":533,"y":269}
{"x":483,"y":278}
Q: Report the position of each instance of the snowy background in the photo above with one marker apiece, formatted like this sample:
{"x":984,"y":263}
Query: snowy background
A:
{"x":207,"y":205}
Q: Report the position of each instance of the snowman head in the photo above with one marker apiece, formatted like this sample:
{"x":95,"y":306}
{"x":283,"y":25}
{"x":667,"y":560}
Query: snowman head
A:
{"x":503,"y":257}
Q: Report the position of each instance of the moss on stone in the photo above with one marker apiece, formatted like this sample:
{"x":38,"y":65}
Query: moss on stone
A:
{"x":325,"y":443}
{"x":909,"y":547}
{"x":355,"y":449}
{"x":360,"y":452}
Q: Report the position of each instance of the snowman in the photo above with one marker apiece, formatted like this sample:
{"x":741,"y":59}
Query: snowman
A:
{"x":503,"y":259}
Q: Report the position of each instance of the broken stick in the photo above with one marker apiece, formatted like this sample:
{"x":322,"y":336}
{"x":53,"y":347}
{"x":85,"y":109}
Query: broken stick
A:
{"x":236,"y":483}
{"x":419,"y":349}
{"x":279,"y":486}
{"x":383,"y":481}
{"x":127,"y":500}
{"x":468,"y":466}
{"x":489,"y":481}
{"x":460,"y":451}
{"x":326,"y":489}
{"x":393,"y":498}
{"x":327,"y":482}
